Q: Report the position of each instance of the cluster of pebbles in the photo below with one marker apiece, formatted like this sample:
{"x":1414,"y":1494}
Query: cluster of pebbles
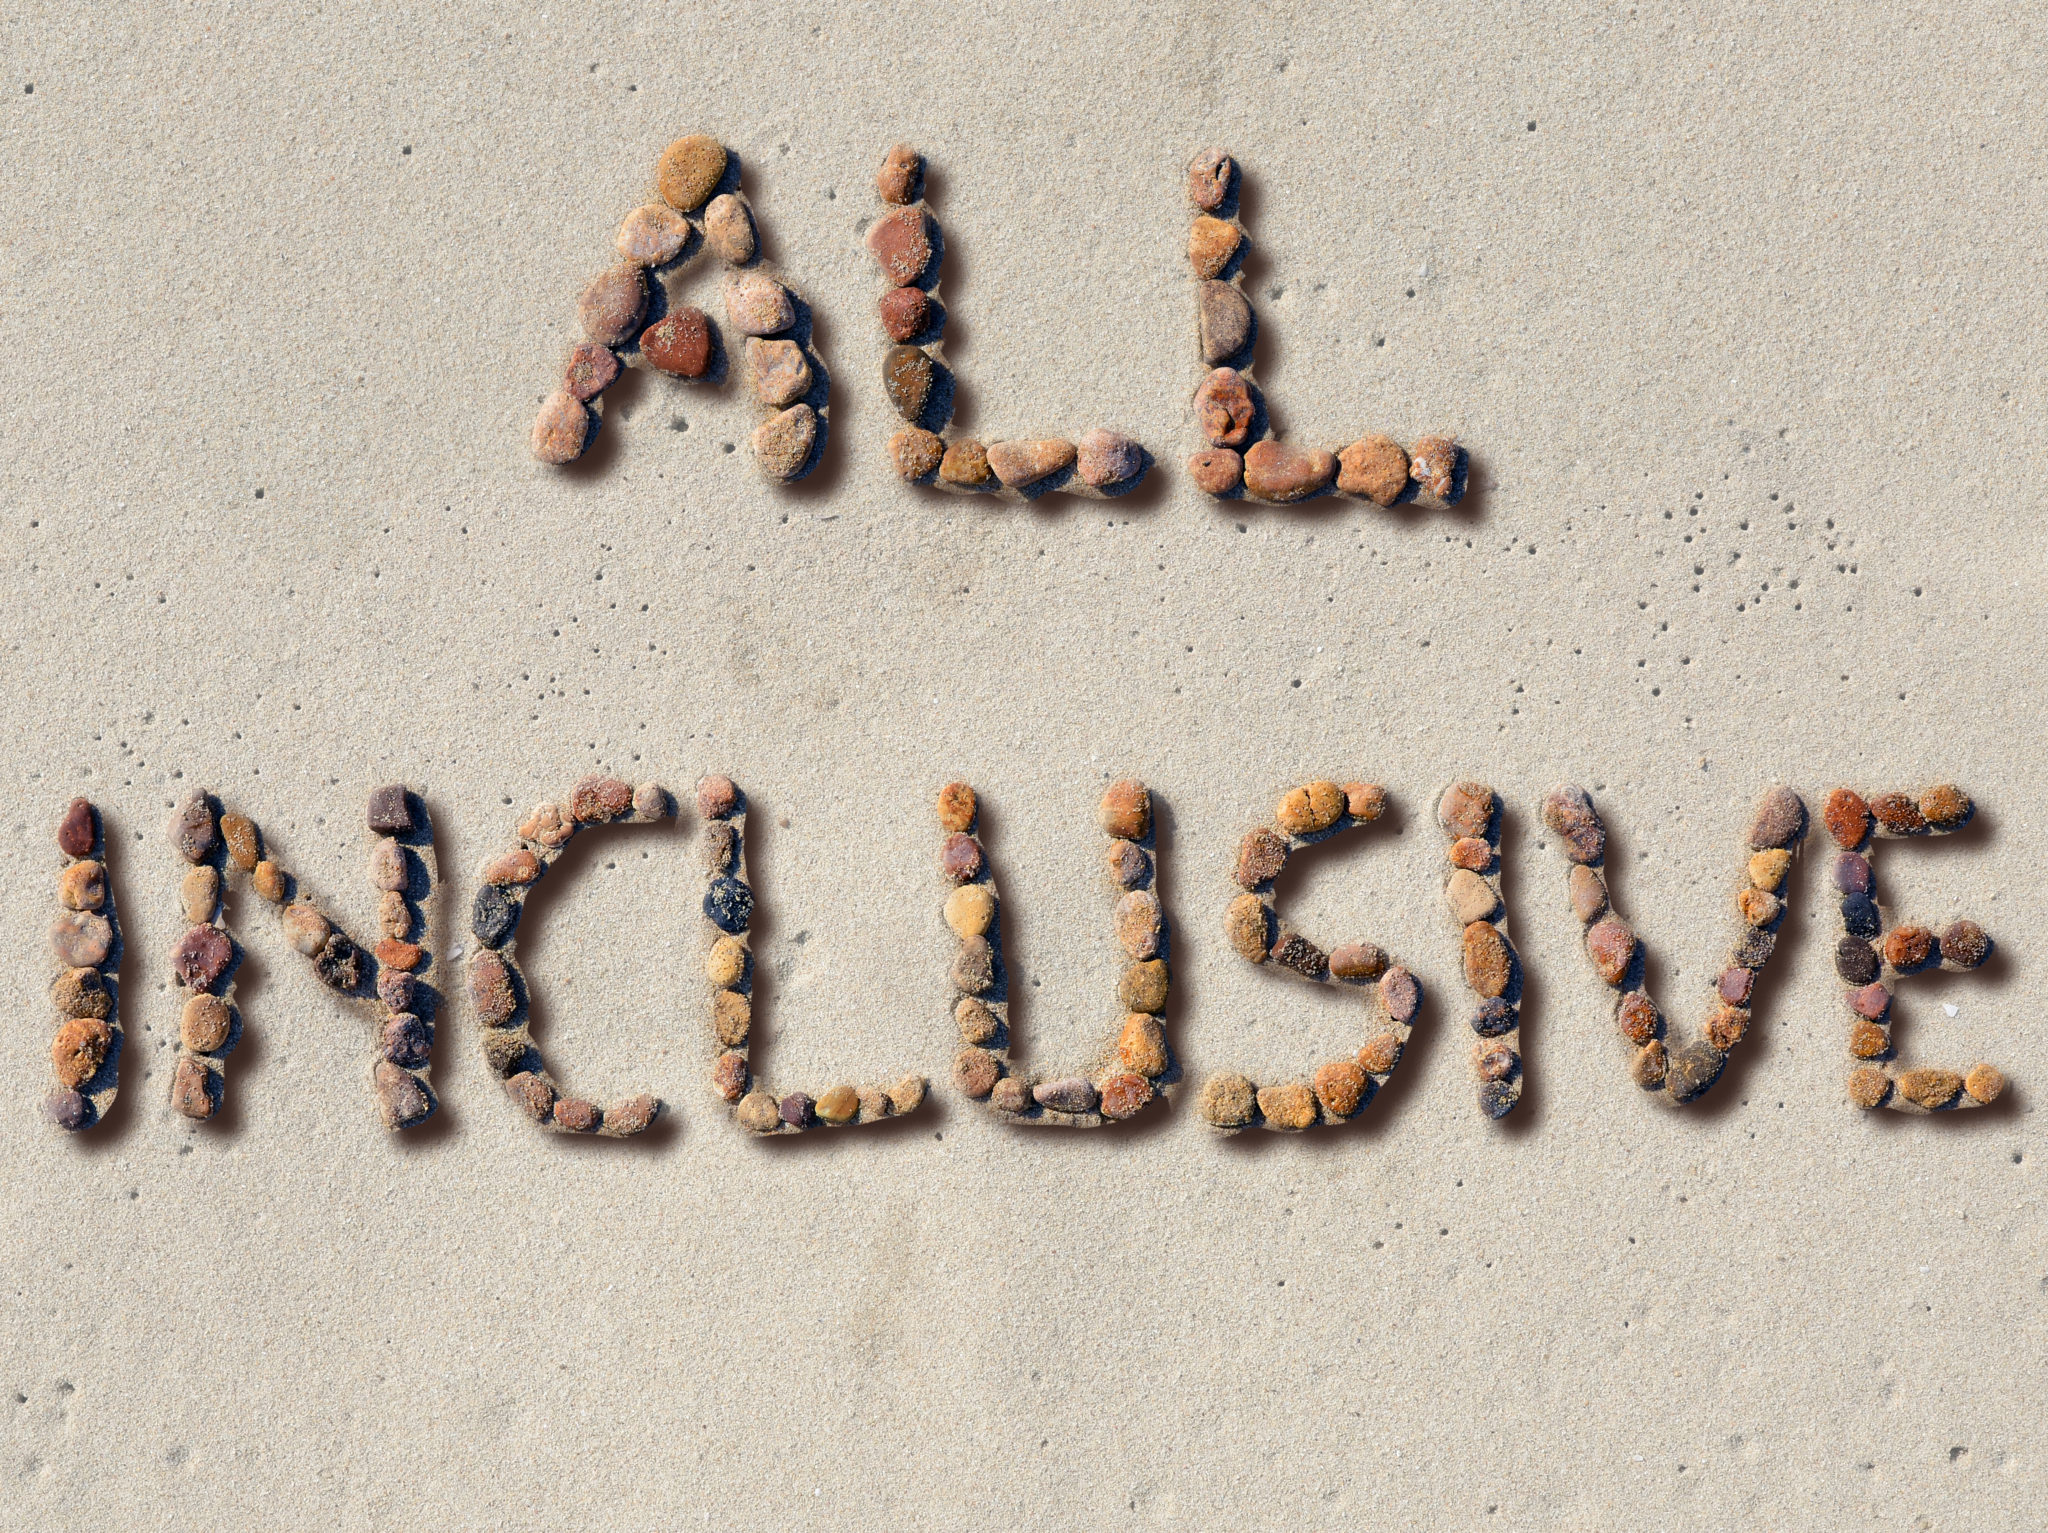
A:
{"x":1869,"y":958}
{"x":86,"y":1052}
{"x":729,"y":910}
{"x":1338,"y":1090}
{"x":1230,"y":411}
{"x":1118,"y":1087}
{"x":404,"y":876}
{"x":759,"y":304}
{"x":1100,"y":464}
{"x":1469,"y":814}
{"x":498,"y":990}
{"x":1682,"y":1071}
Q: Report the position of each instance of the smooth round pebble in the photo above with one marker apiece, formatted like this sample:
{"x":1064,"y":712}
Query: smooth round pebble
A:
{"x":1219,"y":471}
{"x":1375,"y":467}
{"x":1127,"y":864}
{"x":1279,"y":472}
{"x":966,"y":466}
{"x":916,"y":453}
{"x":1103,"y":457}
{"x":757,"y":304}
{"x":1223,"y":321}
{"x":1124,"y":1097}
{"x":782,"y":443}
{"x":1209,"y":176}
{"x":83,"y":886}
{"x":1022,"y":464}
{"x":907,"y":375}
{"x":613,"y":305}
{"x":781,"y":372}
{"x":689,"y":171}
{"x":679,"y":343}
{"x":191,"y":830}
{"x":652,"y":236}
{"x":971,"y":910}
{"x":906,"y":313}
{"x":1139,"y":923}
{"x":729,"y":229}
{"x":1211,"y":244}
{"x":561,"y":430}
{"x":1125,"y":810}
{"x":1358,"y":960}
{"x":897,"y":180}
{"x":1228,"y":1100}
{"x":1073,"y":1094}
{"x":81,"y":939}
{"x":1489,"y":961}
{"x":75,"y":834}
{"x":901,"y":244}
{"x":1290,"y":1107}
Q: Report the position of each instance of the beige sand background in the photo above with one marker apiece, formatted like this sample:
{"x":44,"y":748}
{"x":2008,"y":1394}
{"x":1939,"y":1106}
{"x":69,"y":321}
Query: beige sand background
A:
{"x":1745,"y":336}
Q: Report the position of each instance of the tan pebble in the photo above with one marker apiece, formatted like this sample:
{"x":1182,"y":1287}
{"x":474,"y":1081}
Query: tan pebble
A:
{"x":1945,"y":807}
{"x":394,"y":916}
{"x":916,"y":453}
{"x":1211,"y":244}
{"x":624,"y":1119}
{"x":756,"y":304}
{"x":1637,"y":1017}
{"x":837,"y":1104}
{"x":490,"y":989}
{"x":191,"y":828}
{"x":726,"y":964}
{"x":1651,"y":1066}
{"x":1291,"y":1107}
{"x":1434,"y":466}
{"x":1124,"y":1096}
{"x":1767,"y":869}
{"x":1471,"y":853}
{"x":689,"y":171}
{"x":1011,"y":1095}
{"x":81,"y":993}
{"x":1929,"y":1088}
{"x":975,"y":1072}
{"x":1400,"y":995}
{"x":1139,"y":923}
{"x":1141,"y":1046}
{"x":1143,"y":986}
{"x":976,"y":1022}
{"x":268,"y":880}
{"x":1260,"y":857}
{"x":400,"y":1097}
{"x":1489,"y":961}
{"x":1126,"y":810}
{"x":81,"y":939}
{"x":192,"y":1090}
{"x":1364,"y":801}
{"x":782,"y":443}
{"x":1223,"y":324}
{"x":906,"y":1096}
{"x":1073,"y":1095}
{"x":79,"y":1049}
{"x":971,"y":910}
{"x":562,"y":429}
{"x":1757,"y":907}
{"x":1466,"y":809}
{"x":613,"y":305}
{"x":1340,"y":1087}
{"x":1228,"y":1100}
{"x":956,"y":807}
{"x":1381,"y":1053}
{"x":652,"y":236}
{"x":1983,"y":1083}
{"x":907,"y":378}
{"x":1780,"y":818}
{"x":1588,"y":891}
{"x":966,"y":465}
{"x":974,"y":966}
{"x":729,"y":229}
{"x":732,"y":1015}
{"x":204,"y":1024}
{"x":198,"y":892}
{"x":1209,"y":176}
{"x":520,"y":867}
{"x":244,"y":846}
{"x":547,"y":825}
{"x":1280,"y":472}
{"x":1103,"y":458}
{"x":1022,"y":464}
{"x":1570,"y":816}
{"x":1867,"y":1040}
{"x":1219,"y":471}
{"x":897,"y":180}
{"x":1472,"y":897}
{"x":1611,"y":946}
{"x":650,"y":801}
{"x":387,"y":866}
{"x":1375,"y":467}
{"x":781,"y":372}
{"x":508,"y":1053}
{"x":1869,"y":1086}
{"x":1127,"y":864}
{"x":305,"y":928}
{"x":759,"y":1113}
{"x":1308,"y":810}
{"x":1247,"y":924}
{"x":1358,"y":960}
{"x":83,"y":886}
{"x":729,"y":1076}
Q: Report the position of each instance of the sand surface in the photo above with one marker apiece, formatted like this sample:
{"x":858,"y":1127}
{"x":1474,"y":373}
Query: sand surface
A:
{"x":1739,"y":312}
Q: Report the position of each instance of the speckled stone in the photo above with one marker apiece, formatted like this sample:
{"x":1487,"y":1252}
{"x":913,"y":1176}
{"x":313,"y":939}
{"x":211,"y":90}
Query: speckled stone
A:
{"x":193,"y":1089}
{"x":652,"y":236}
{"x":534,"y":1094}
{"x":387,"y":813}
{"x":1375,"y":467}
{"x":1929,"y":1088}
{"x":729,"y":904}
{"x":1141,"y":1045}
{"x":781,"y":372}
{"x":1779,"y":821}
{"x":1495,"y":1061}
{"x":387,"y":866}
{"x":1103,"y":458}
{"x":1570,"y":815}
{"x":717,"y":797}
{"x":976,"y":1071}
{"x":756,"y":304}
{"x":1212,"y":243}
{"x":492,"y":916}
{"x":1434,"y":467}
{"x":1767,"y":870}
{"x":1072,"y":1094}
{"x":1498,"y":1098}
{"x":1223,"y":321}
{"x":394,"y":954}
{"x":1868,"y":1041}
{"x":896,"y":181}
{"x":575,"y":1115}
{"x":1219,"y":471}
{"x":916,"y":453}
{"x":907,"y":379}
{"x":190,"y":830}
{"x":1247,"y":924}
{"x":75,"y":834}
{"x":1308,"y":810}
{"x":1209,"y":178}
{"x":1692,"y":1069}
{"x":729,"y":229}
{"x":1400,"y":995}
{"x":1489,"y":962}
{"x":729,"y":1076}
{"x":406,"y":1040}
{"x":838,"y":1104}
{"x":1139,"y":923}
{"x":305,"y":928}
{"x":1494,"y":1017}
{"x":1984,"y":1084}
{"x":1466,"y":809}
{"x":400,"y":1097}
{"x":1358,"y":960}
{"x":339,"y":964}
{"x":1856,"y":961}
{"x":1847,"y":818}
{"x":1472,"y":853}
{"x":1588,"y":892}
{"x":81,"y":939}
{"x":508,"y":1052}
{"x":547,"y":826}
{"x":79,"y":1049}
{"x":1228,"y":1100}
{"x":732,"y":1017}
{"x":513,"y":869}
{"x":561,"y":430}
{"x":1124,"y":1097}
{"x":1011,"y":1095}
{"x":1870,"y":1002}
{"x":613,"y":305}
{"x":1290,"y":1107}
{"x":68,"y":1109}
{"x":1143,"y":986}
{"x":1752,"y":949}
{"x":202,"y":956}
{"x":1611,"y":945}
{"x":974,"y":967}
{"x":1899,"y":815}
{"x":955,"y":807}
{"x":1860,"y":917}
{"x":1471,"y":897}
{"x":1125,"y":810}
{"x":1907,"y":948}
{"x":679,"y":343}
{"x":491,"y":992}
{"x":759,"y":1113}
{"x":631,"y":1116}
{"x":81,"y":993}
{"x":901,"y":244}
{"x":83,"y":886}
{"x":591,"y":370}
{"x":1022,"y":464}
{"x":1945,"y":806}
{"x":1280,"y":473}
{"x":1869,"y":1087}
{"x":726,"y":964}
{"x":1725,"y":1027}
{"x":960,"y":858}
{"x":396,"y":991}
{"x":782,"y":443}
{"x":1294,"y":951}
{"x":905,"y":312}
{"x":1127,"y":864}
{"x":1260,"y":857}
{"x":650,"y":801}
{"x":1380,"y":1054}
{"x":1650,"y":1066}
{"x":1757,"y":907}
{"x":977,"y":1023}
{"x":1340,"y":1087}
{"x":971,"y":910}
{"x":689,"y":171}
{"x":966,"y":465}
{"x":1965,"y":945}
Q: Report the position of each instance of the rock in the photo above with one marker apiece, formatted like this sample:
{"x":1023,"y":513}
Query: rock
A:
{"x":759,"y":1113}
{"x":1757,"y":907}
{"x":68,"y":1110}
{"x":1128,"y":864}
{"x":1907,"y":948}
{"x":592,"y":369}
{"x":79,"y":1049}
{"x":1400,"y":995}
{"x":387,"y":867}
{"x":492,"y":916}
{"x":1139,"y":923}
{"x":1752,"y":950}
{"x":901,"y":244}
{"x":83,"y":886}
{"x":1211,"y":244}
{"x":1011,"y":1096}
{"x":1434,"y":467}
{"x":960,"y":858}
{"x":1209,"y":177}
{"x":193,"y":1090}
{"x":781,"y":373}
{"x":305,"y":928}
{"x":907,"y":379}
{"x":1571,"y":817}
{"x":397,"y":992}
{"x":1246,"y":924}
{"x":717,"y":797}
{"x":689,"y":171}
{"x":1294,"y":951}
{"x":191,"y":827}
{"x":1868,"y":1041}
{"x":81,"y":939}
{"x":1611,"y":946}
{"x":729,"y":1076}
{"x":1310,"y":810}
{"x":81,"y":993}
{"x":1852,"y":874}
{"x":1020,"y":464}
{"x":1466,"y":809}
{"x":1141,"y":1046}
{"x":1125,"y":1096}
{"x":1588,"y":891}
{"x":339,"y":964}
{"x":1860,"y":917}
{"x":75,"y":832}
{"x":1898,"y":814}
{"x":782,"y":443}
{"x":1494,"y":1018}
{"x":976,"y":1022}
{"x":1218,"y":471}
{"x":906,"y":313}
{"x":1983,"y":1083}
{"x":1143,"y":986}
{"x":901,"y":170}
{"x":726,"y":964}
{"x":534,"y":1093}
{"x":548,"y":826}
{"x":1945,"y":806}
{"x":1375,"y":467}
{"x":679,"y":343}
{"x":561,"y":430}
{"x":1650,"y":1067}
{"x":1103,"y":457}
{"x":838,"y":1104}
{"x":1847,"y":818}
{"x":1475,"y":855}
{"x":732,"y":1017}
{"x":622,"y":1120}
{"x":1498,"y":1098}
{"x":1223,"y":321}
{"x":1228,"y":1100}
{"x":1126,"y":810}
{"x":1260,"y":857}
{"x":729,"y":230}
{"x":612,"y":307}
{"x":966,"y":465}
{"x":1340,"y":1087}
{"x":1965,"y":945}
{"x":202,"y":956}
{"x":729,"y":904}
{"x":916,"y":453}
{"x":1070,"y":1095}
{"x":394,"y":916}
{"x":403,"y":956}
{"x":1856,"y":961}
{"x":596,"y":799}
{"x":574,"y":1115}
{"x":1692,"y":1069}
{"x":1358,"y":960}
{"x":1780,"y":817}
{"x":1471,"y":897}
{"x":1725,"y":1027}
{"x":1364,"y":801}
{"x":1291,"y":1107}
{"x":1928,"y":1088}
{"x":971,"y":910}
{"x":1495,"y":1062}
{"x":956,"y":807}
{"x":406,"y":1040}
{"x":1871,"y":1002}
{"x":1767,"y":870}
{"x":1869,"y":1087}
{"x":650,"y":801}
{"x":513,"y":868}
{"x":651,"y":236}
{"x":975,"y":1072}
{"x":490,"y":989}
{"x":974,"y":967}
{"x":1224,"y":409}
{"x":388,"y":813}
{"x":756,"y":304}
{"x":1489,"y":961}
{"x":1381,"y":1053}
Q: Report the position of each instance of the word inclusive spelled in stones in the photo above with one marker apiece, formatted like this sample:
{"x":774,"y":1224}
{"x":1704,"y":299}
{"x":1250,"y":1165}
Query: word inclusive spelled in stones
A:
{"x":1136,"y":1067}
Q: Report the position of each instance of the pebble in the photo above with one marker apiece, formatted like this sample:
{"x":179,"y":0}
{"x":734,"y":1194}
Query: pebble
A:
{"x":717,"y":797}
{"x":304,"y":928}
{"x":202,"y":956}
{"x":1898,"y":814}
{"x":1126,"y":810}
{"x":732,"y":1017}
{"x":83,"y":886}
{"x":1472,"y":897}
{"x":1588,"y":891}
{"x":1610,"y":944}
{"x":1945,"y":806}
{"x":561,"y":430}
{"x":1125,"y":1096}
{"x":1291,"y":1107}
{"x":1767,"y":870}
{"x":781,"y":372}
{"x":1859,"y":916}
{"x":1856,"y":961}
{"x":1381,"y":1053}
{"x":1072,"y":1094}
{"x":907,"y":379}
{"x":1929,"y":1088}
{"x":1218,"y":471}
{"x":508,"y":1053}
{"x":956,"y":807}
{"x":81,"y":939}
{"x":1245,"y":923}
{"x":1495,"y":1061}
{"x":971,"y":910}
{"x":192,"y":1090}
{"x":397,"y":991}
{"x":726,"y":964}
{"x":901,"y":244}
{"x":407,"y":1040}
{"x":1375,"y":467}
{"x":1692,"y":1069}
{"x":1296,"y":952}
{"x":1139,"y":923}
{"x":490,"y":990}
{"x":387,"y":866}
{"x":547,"y":825}
{"x":1260,"y":857}
{"x":339,"y":965}
{"x":534,"y":1094}
{"x":1984,"y":1084}
{"x":388,"y":813}
{"x":1847,"y":818}
{"x":514,"y":868}
{"x":79,"y":1049}
{"x":729,"y":1076}
{"x":68,"y":1110}
{"x":1650,"y":1066}
{"x":574,"y":1115}
{"x":1752,"y":949}
{"x":1869,"y":1087}
{"x":650,"y":801}
{"x":1474,"y":854}
{"x":679,"y":343}
{"x":916,"y":453}
{"x":1209,"y":176}
{"x":838,"y":1104}
{"x":689,"y":170}
{"x":1358,"y":960}
{"x":403,"y":956}
{"x":1868,"y":1041}
{"x":191,"y":826}
{"x":612,"y":307}
{"x":492,"y":916}
{"x":974,"y":967}
{"x":966,"y":464}
{"x":1011,"y":1095}
{"x":1871,"y":1002}
{"x":1489,"y":962}
{"x":75,"y":830}
{"x":1907,"y":948}
{"x":1780,"y":817}
{"x":1498,"y":1098}
{"x":624,"y":1119}
{"x":756,"y":304}
{"x":897,"y":180}
{"x":759,"y":1113}
{"x":1965,"y":945}
{"x":1757,"y":907}
{"x":729,"y":230}
{"x":1018,"y":464}
{"x":976,"y":1022}
{"x":1103,"y":457}
{"x":960,"y":858}
{"x":782,"y":443}
{"x":1726,"y":1026}
{"x":1400,"y":995}
{"x":1223,"y":321}
{"x":1312,"y":809}
{"x":81,"y":993}
{"x":906,"y":313}
{"x":1281,"y":473}
{"x":975,"y":1072}
{"x":1434,"y":466}
{"x":1143,"y":986}
{"x":1466,"y":809}
{"x":1228,"y":1100}
{"x":651,"y":236}
{"x":1494,"y":1018}
{"x":1340,"y":1087}
{"x":1211,"y":244}
{"x":1141,"y":1046}
{"x":1127,"y":864}
{"x":1571,"y":817}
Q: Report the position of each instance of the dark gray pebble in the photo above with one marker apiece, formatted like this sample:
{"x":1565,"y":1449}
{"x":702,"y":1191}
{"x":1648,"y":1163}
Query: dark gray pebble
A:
{"x":1859,"y":916}
{"x":389,"y":814}
{"x":493,"y":916}
{"x":1856,"y":961}
{"x":1497,"y":1098}
{"x":729,"y":904}
{"x":1493,"y":1018}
